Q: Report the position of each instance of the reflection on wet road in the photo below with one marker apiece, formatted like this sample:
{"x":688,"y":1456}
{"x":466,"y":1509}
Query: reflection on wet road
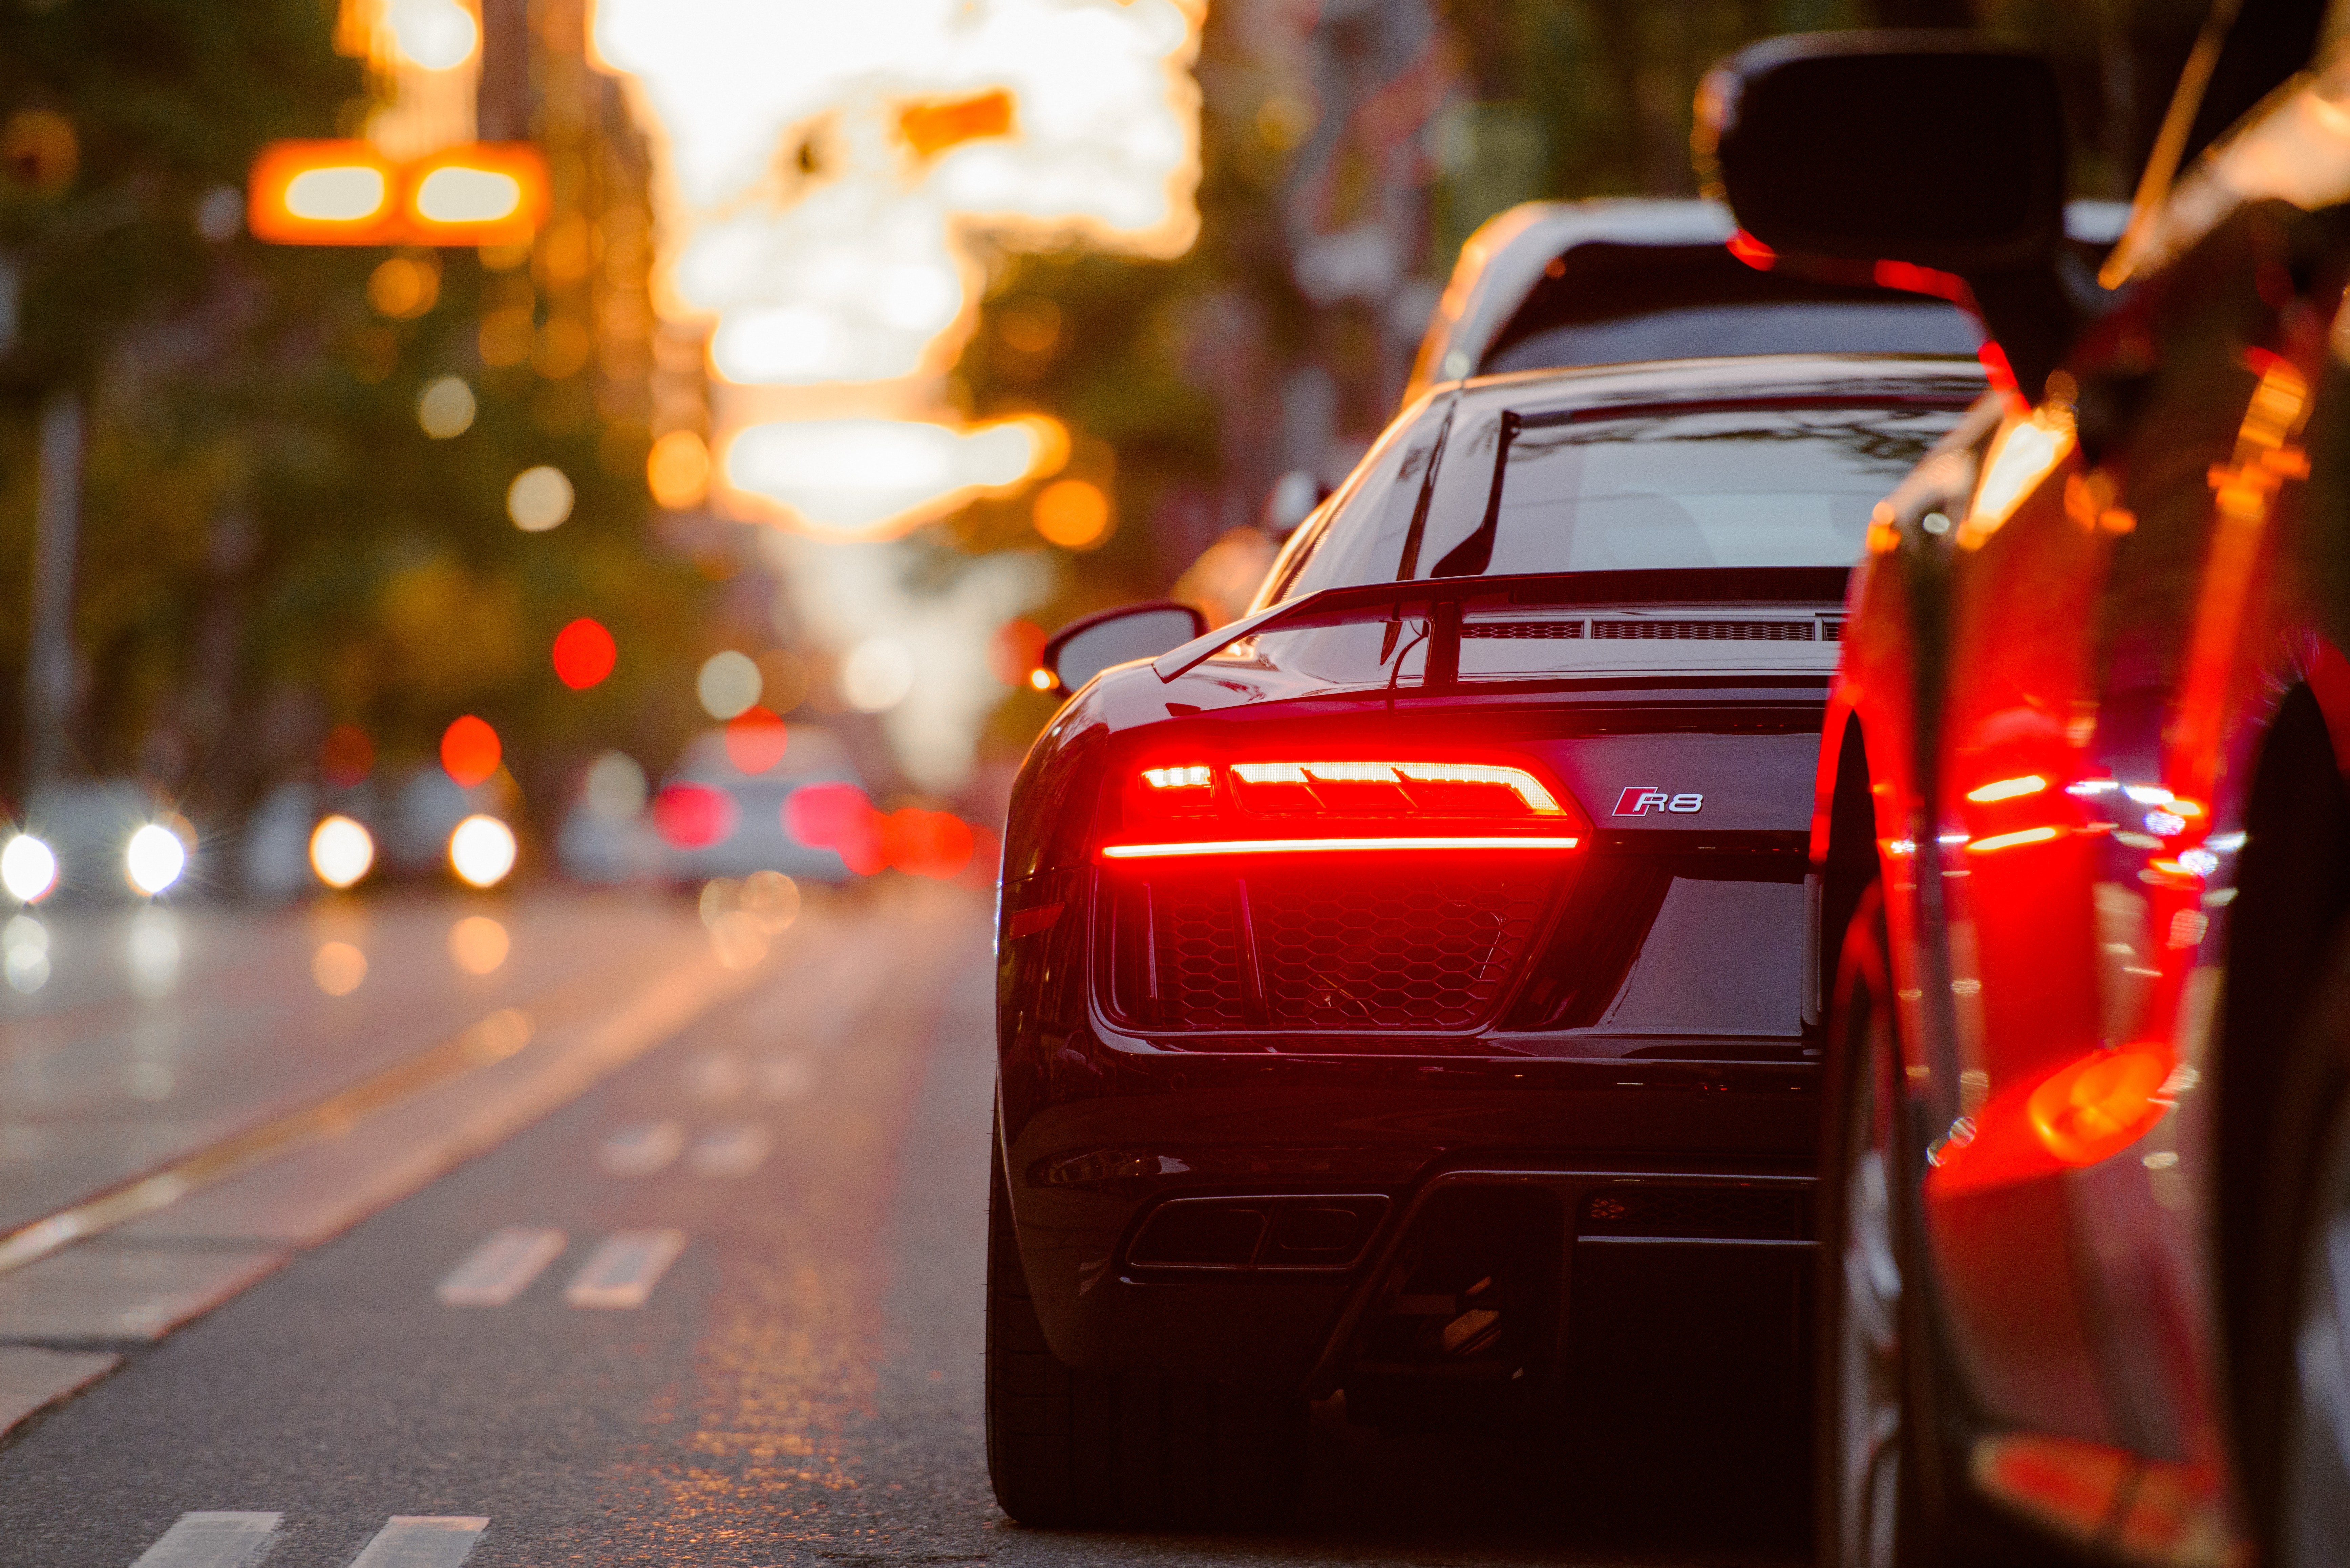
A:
{"x":689,"y":1275}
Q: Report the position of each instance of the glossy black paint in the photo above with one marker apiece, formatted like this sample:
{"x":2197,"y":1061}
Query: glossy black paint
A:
{"x":1103,"y":1120}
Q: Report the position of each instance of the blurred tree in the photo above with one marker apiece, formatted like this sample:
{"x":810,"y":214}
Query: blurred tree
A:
{"x":271,"y":543}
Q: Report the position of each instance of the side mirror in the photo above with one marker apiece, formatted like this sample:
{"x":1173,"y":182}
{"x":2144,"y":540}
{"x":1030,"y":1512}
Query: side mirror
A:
{"x":1091,"y":644}
{"x":1937,"y":149}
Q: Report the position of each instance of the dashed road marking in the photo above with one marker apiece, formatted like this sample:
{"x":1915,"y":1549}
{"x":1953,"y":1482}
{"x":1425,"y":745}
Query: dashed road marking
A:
{"x":623,"y":1271}
{"x":729,"y":1151}
{"x":640,"y":1150}
{"x":784,"y":1080}
{"x":422,"y":1541}
{"x":501,"y":1267}
{"x":211,"y":1540}
{"x":718,"y":1076}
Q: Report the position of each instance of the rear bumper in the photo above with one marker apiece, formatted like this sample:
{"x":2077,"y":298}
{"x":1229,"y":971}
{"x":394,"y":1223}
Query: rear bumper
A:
{"x":1098,"y":1140}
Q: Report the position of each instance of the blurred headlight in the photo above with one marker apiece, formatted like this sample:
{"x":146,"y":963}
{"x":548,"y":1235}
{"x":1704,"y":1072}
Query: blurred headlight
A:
{"x":482,"y":850}
{"x":341,"y":850}
{"x":28,"y":869}
{"x":154,"y":858}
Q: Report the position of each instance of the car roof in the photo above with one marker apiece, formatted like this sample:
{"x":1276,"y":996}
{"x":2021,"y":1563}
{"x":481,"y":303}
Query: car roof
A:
{"x":1504,"y":260}
{"x":1864,"y":377}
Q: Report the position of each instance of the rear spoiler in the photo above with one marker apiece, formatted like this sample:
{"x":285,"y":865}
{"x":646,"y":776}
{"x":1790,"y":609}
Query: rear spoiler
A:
{"x":1441,"y":600}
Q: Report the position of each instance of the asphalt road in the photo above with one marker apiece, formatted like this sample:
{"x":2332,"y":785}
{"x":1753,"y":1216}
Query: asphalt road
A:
{"x":802,"y":1382}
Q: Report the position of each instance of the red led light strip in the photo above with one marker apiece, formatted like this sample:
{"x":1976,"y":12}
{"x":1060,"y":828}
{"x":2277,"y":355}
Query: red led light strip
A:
{"x":1332,"y":845}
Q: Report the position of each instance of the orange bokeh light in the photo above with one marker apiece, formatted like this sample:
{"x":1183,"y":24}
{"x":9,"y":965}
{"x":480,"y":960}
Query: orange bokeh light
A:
{"x":756,"y":740}
{"x":322,"y":192}
{"x":927,"y":843}
{"x":584,"y":654}
{"x":347,"y":192}
{"x":1015,"y":650}
{"x":678,"y":469}
{"x":1072,"y":514}
{"x":470,"y":751}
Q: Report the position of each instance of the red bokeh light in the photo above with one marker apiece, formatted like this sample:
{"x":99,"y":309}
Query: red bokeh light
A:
{"x":1017,"y":648}
{"x":584,"y":654}
{"x":755,"y":740}
{"x":348,"y":756}
{"x":837,"y":816}
{"x":694,"y":816}
{"x":470,"y":751}
{"x":927,"y":843}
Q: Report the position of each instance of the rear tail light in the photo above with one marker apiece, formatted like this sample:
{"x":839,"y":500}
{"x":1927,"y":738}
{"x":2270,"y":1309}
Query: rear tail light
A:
{"x":1339,"y":806}
{"x":1336,"y":894}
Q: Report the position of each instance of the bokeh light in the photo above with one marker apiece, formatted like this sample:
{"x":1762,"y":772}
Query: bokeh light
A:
{"x":445,"y":408}
{"x":25,"y":953}
{"x":1072,"y":514}
{"x":347,"y":757}
{"x":154,"y":858}
{"x":771,"y":899}
{"x":877,"y":675}
{"x":478,"y":944}
{"x":694,"y":816}
{"x":28,"y":869}
{"x":839,"y":818}
{"x":755,"y":740}
{"x":337,"y":968}
{"x":438,"y":35}
{"x":584,"y":654}
{"x":341,"y":852}
{"x":540,"y":498}
{"x":616,"y":787}
{"x":936,"y":844}
{"x":482,"y":850}
{"x":404,"y":286}
{"x":678,"y":471}
{"x":470,"y":751}
{"x":727,"y":684}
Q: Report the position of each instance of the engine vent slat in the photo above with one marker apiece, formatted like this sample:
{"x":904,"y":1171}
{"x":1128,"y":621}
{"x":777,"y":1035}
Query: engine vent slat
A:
{"x":1704,"y":631}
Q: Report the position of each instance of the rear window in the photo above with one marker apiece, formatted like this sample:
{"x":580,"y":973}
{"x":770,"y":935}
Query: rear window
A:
{"x":1621,"y":491}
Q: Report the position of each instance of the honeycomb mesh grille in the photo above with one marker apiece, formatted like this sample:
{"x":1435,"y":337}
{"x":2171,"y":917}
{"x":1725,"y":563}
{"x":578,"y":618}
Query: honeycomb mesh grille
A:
{"x":1432,"y":951}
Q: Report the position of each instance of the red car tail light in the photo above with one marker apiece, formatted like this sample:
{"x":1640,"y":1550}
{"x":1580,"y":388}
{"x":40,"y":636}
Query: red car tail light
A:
{"x":1317,"y":894}
{"x":1339,"y":806}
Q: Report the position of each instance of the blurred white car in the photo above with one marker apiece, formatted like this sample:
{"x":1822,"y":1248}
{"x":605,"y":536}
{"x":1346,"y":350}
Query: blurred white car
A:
{"x":772,"y":798}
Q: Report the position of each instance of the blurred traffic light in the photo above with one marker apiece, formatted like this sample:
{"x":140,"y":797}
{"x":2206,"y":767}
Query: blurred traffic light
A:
{"x":347,"y":192}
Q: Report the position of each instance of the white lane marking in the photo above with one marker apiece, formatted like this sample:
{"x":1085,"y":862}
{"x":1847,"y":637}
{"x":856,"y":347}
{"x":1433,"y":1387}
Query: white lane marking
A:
{"x":501,"y":1267}
{"x":640,"y":1150}
{"x":409,"y":1540}
{"x":718,"y":1076}
{"x":211,"y":1540}
{"x":623,"y":1271}
{"x":729,"y":1151}
{"x":783,"y":1080}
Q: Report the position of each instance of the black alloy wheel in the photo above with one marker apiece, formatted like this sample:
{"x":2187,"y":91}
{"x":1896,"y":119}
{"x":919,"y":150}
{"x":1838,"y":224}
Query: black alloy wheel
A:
{"x":1071,"y":1448}
{"x":1889,"y":1473}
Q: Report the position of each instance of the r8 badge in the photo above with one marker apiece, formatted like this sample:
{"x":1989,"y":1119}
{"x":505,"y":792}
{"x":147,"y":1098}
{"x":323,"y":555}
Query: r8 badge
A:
{"x":1639,"y":800}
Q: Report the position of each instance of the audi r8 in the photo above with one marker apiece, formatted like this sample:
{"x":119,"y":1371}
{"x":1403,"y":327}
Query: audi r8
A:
{"x":1383,"y":974}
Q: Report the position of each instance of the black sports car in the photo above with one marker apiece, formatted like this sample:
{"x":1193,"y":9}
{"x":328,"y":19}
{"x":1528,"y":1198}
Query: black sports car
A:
{"x":1378,"y":970}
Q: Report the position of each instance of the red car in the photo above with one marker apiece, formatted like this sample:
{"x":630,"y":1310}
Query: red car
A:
{"x":2080,"y":823}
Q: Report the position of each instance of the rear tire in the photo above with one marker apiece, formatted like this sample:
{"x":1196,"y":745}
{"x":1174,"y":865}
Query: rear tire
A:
{"x":1889,"y":1476}
{"x":1073,"y":1449}
{"x":2296,"y":1367}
